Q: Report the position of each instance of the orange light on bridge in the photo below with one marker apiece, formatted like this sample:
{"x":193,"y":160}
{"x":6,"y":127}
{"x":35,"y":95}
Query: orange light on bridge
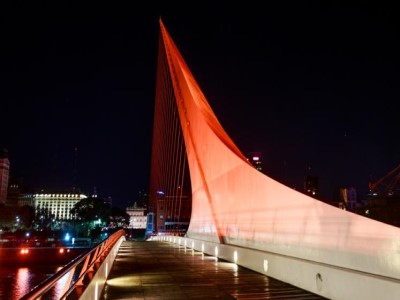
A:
{"x":61,"y":250}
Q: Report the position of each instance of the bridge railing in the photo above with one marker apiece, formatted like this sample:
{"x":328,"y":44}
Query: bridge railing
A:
{"x":84,"y":277}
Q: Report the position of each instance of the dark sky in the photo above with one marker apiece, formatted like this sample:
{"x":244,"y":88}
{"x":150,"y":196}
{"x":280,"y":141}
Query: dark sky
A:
{"x":313,"y":85}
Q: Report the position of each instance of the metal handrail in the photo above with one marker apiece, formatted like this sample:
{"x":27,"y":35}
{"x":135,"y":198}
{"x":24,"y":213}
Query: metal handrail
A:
{"x":77,"y":269}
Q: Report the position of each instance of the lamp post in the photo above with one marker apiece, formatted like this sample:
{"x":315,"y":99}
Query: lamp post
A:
{"x":17,"y":222}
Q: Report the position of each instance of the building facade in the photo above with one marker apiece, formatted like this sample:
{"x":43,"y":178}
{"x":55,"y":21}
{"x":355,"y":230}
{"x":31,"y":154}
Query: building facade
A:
{"x":173,"y":214}
{"x":137,"y":217}
{"x":349,"y":198}
{"x":4,"y":175}
{"x":57,"y":205}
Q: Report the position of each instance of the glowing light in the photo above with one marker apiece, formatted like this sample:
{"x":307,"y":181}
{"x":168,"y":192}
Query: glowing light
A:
{"x":24,"y":251}
{"x":127,"y":281}
{"x":61,"y":250}
{"x":235,"y":256}
{"x":256,"y":158}
{"x":265,"y":265}
{"x":216,"y":251}
{"x":22,"y":277}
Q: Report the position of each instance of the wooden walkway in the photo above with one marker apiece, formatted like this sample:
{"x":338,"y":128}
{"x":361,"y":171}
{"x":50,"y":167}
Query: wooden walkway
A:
{"x":161,"y":270}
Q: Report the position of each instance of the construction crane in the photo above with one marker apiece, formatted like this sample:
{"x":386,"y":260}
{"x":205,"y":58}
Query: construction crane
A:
{"x":386,"y":185}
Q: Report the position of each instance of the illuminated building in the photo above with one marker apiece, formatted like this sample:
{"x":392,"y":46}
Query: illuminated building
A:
{"x":4,"y":175}
{"x":137,"y":217}
{"x":57,"y":205}
{"x":255,"y":158}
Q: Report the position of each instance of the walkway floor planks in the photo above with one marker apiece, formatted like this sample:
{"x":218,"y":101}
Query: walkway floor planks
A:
{"x":161,"y":270}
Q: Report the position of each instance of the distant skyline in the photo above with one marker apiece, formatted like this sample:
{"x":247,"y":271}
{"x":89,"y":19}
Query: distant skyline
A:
{"x":311,"y":85}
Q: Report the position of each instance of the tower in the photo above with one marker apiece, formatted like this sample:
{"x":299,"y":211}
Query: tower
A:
{"x":4,"y":174}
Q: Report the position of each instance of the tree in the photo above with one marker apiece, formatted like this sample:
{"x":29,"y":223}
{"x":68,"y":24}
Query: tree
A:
{"x":119,"y":218}
{"x":43,"y":218}
{"x":91,"y":209}
{"x":7,"y":217}
{"x":26,"y":214}
{"x":90,"y":213}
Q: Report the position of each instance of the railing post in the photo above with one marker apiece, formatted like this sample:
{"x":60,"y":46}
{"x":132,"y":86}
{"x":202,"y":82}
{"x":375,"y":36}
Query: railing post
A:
{"x":83,"y":271}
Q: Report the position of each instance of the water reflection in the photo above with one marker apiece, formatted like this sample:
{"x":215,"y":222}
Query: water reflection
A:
{"x":16,"y":281}
{"x":22,"y":279}
{"x":61,"y":286}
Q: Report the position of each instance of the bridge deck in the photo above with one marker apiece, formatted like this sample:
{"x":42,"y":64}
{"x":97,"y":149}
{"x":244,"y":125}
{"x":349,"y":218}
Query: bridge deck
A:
{"x":160,"y":270}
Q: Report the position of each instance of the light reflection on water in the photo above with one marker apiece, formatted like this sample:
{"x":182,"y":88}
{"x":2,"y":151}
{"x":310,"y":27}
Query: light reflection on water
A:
{"x":23,"y":280}
{"x":16,"y":281}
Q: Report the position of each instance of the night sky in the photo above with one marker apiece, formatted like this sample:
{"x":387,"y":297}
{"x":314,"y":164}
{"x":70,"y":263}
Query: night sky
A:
{"x":313,"y":85}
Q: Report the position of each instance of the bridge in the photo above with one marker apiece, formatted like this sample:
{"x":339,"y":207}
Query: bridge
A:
{"x":242,"y":216}
{"x":246,"y":216}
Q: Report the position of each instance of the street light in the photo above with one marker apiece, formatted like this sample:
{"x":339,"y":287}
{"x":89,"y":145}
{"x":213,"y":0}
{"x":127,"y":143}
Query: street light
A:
{"x":17,"y":222}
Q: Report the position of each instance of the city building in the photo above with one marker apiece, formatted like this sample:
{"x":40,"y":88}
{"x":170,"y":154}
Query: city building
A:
{"x":15,"y":193}
{"x":255,"y":158}
{"x":55,"y":204}
{"x":173,"y":214}
{"x":382,"y":203}
{"x":383,"y":207}
{"x":348,"y":197}
{"x":4,"y":175}
{"x":137,"y":217}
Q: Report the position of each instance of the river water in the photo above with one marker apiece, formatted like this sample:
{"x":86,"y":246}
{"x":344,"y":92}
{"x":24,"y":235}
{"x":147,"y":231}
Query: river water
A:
{"x":16,"y":281}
